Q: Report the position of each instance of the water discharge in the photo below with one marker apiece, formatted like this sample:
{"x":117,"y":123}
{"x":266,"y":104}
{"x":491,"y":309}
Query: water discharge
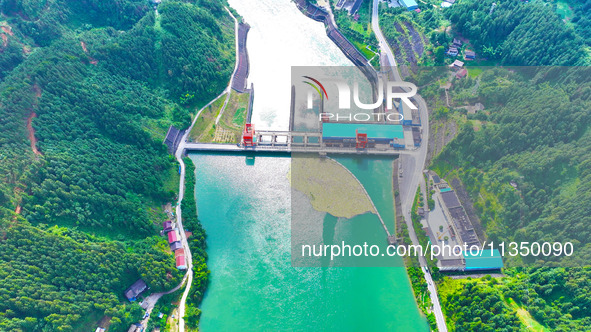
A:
{"x":281,"y":37}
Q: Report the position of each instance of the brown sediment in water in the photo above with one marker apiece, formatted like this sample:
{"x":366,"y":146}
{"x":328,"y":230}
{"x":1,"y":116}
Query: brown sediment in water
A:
{"x":330,"y":187}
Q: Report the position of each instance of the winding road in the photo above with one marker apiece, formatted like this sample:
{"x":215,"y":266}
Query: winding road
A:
{"x":151,"y":300}
{"x":412,"y":166}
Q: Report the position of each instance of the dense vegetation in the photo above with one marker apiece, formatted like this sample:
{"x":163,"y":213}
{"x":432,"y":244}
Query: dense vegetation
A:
{"x":581,"y":19}
{"x":99,"y":82}
{"x":61,"y":277}
{"x":478,"y":306}
{"x":556,"y":298}
{"x":526,"y":169}
{"x":197,"y":245}
{"x":517,"y":33}
{"x":542,"y":144}
{"x":357,"y":28}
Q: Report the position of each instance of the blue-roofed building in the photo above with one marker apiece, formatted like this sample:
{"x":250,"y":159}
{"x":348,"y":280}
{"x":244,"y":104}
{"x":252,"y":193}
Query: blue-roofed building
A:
{"x":374,"y":131}
{"x":346,"y":134}
{"x":409,"y":4}
{"x":485,"y":259}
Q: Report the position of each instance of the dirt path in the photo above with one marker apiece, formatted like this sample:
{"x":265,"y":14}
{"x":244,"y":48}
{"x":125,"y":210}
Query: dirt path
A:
{"x":31,"y":133}
{"x":90,"y":59}
{"x":30,"y":129}
{"x":8,"y":30}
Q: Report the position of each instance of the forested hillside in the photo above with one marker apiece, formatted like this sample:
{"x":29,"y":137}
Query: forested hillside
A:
{"x":518,"y":33}
{"x":581,"y":19}
{"x":537,"y":135}
{"x":525,"y":164}
{"x":87,"y":92}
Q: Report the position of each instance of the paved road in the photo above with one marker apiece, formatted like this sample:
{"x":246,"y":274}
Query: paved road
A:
{"x":179,"y":220}
{"x":150,"y":301}
{"x":188,"y":255}
{"x":375,"y":25}
{"x":412,"y":166}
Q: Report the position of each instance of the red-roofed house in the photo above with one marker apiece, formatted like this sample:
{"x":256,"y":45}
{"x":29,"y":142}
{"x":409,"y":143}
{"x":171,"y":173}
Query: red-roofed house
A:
{"x":173,"y":236}
{"x":462,"y":73}
{"x":180,"y":252}
{"x":180,"y":263}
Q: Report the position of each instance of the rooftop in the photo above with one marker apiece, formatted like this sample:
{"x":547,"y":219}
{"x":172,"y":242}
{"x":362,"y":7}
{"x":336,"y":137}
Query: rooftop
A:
{"x":436,"y":179}
{"x":462,"y":73}
{"x":457,"y":63}
{"x":484,"y":260}
{"x":176,"y":246}
{"x":347,"y":130}
{"x":408,"y":3}
{"x":173,"y":236}
{"x":136,"y":289}
{"x":450,"y":199}
{"x":180,"y":262}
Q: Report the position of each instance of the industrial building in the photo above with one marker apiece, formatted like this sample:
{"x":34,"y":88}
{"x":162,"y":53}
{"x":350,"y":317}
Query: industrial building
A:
{"x":461,"y":232}
{"x":362,"y":135}
{"x":416,"y":136}
{"x":460,"y":221}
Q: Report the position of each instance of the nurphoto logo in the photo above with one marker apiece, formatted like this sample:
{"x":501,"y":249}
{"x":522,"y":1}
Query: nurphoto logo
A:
{"x":344,"y":92}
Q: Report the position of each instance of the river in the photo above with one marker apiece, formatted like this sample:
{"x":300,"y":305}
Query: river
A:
{"x":246,"y":211}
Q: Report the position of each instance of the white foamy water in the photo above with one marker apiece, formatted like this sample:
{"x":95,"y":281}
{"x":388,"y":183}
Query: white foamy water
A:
{"x":281,"y":37}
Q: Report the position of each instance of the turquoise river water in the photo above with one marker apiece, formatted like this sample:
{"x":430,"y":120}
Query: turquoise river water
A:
{"x":246,"y":210}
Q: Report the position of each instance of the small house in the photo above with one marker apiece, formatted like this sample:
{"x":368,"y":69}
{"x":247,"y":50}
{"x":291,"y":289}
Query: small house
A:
{"x":180,"y":262}
{"x":452,"y":51}
{"x":457,"y":64}
{"x":469,"y":55}
{"x":176,"y":246}
{"x":167,"y":226}
{"x":173,"y":236}
{"x":456,"y":42}
{"x":136,"y":289}
{"x":461,"y":74}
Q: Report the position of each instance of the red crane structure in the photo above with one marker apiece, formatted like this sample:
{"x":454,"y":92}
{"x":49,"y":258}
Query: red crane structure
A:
{"x":360,"y":140}
{"x":248,"y":135}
